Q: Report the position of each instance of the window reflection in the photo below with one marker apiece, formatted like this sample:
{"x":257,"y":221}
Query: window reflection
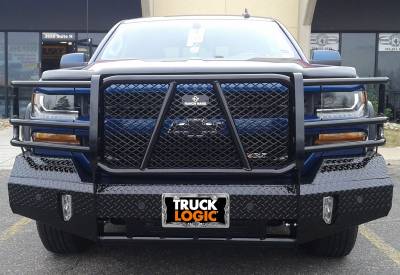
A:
{"x":2,"y":77}
{"x":23,"y":62}
{"x":358,"y":50}
{"x":96,"y":39}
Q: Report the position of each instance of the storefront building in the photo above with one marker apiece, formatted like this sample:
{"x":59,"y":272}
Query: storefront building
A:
{"x":34,"y":35}
{"x":367,"y":33}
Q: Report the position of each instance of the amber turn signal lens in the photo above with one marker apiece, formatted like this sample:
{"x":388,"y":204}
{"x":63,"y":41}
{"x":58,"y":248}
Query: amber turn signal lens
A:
{"x":340,"y":137}
{"x":55,"y":138}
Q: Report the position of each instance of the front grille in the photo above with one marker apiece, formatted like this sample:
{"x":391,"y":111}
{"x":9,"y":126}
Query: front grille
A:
{"x":177,"y":149}
{"x":260,"y":112}
{"x":130,"y":113}
{"x":195,"y":133}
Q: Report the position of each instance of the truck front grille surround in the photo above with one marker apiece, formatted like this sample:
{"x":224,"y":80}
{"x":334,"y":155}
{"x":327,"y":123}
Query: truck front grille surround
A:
{"x":196,"y":123}
{"x":194,"y":132}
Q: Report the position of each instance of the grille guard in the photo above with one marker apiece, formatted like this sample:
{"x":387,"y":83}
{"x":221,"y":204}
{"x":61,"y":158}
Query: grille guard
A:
{"x":295,"y":82}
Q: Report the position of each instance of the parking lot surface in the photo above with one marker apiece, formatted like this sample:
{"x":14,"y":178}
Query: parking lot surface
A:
{"x":377,"y":251}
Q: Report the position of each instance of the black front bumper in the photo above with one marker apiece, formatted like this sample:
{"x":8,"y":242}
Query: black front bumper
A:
{"x":361,"y":187}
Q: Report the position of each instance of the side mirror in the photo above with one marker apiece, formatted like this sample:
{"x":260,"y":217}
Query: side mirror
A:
{"x":73,"y":60}
{"x":326,"y":57}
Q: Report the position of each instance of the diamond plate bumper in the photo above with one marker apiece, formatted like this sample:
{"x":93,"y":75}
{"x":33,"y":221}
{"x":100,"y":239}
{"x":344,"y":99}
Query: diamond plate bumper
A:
{"x":361,"y":187}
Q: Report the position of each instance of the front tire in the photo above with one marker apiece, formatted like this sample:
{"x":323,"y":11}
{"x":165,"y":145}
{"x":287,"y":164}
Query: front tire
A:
{"x":336,"y":245}
{"x":60,"y":242}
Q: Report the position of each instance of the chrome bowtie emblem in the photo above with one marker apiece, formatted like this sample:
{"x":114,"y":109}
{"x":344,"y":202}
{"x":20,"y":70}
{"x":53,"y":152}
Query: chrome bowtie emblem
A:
{"x":196,"y":128}
{"x":195,"y":98}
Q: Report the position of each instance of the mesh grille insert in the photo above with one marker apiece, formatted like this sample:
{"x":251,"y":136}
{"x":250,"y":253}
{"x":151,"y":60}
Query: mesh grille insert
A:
{"x":260,"y":112}
{"x":185,"y":140}
{"x":130,"y":113}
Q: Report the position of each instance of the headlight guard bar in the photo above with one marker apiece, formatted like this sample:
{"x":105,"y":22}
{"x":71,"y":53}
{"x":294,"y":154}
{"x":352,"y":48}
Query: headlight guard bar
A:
{"x":295,"y":81}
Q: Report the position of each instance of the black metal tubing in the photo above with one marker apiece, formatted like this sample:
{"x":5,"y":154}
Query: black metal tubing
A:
{"x":299,"y":119}
{"x":211,"y":78}
{"x":281,"y":242}
{"x":49,"y":123}
{"x":196,"y":171}
{"x":297,"y":83}
{"x":198,"y":77}
{"x":349,"y":122}
{"x":381,"y":99}
{"x":231,"y":125}
{"x":16,"y":132}
{"x":53,"y":84}
{"x":345,"y":81}
{"x":16,"y":122}
{"x":94,"y":120}
{"x":15,"y":102}
{"x":344,"y":145}
{"x":344,"y":122}
{"x":159,"y":123}
{"x":51,"y":146}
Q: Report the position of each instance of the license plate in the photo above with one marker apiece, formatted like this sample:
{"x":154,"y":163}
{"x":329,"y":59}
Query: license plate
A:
{"x":195,"y":210}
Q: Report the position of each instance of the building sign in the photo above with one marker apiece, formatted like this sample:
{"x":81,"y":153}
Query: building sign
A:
{"x":324,"y":41}
{"x":389,"y":42}
{"x":58,"y":36}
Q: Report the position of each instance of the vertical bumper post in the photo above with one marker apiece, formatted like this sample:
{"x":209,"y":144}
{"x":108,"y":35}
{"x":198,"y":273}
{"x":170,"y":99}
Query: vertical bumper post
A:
{"x":381,"y":108}
{"x":299,"y":120}
{"x":94,"y":122}
{"x":15,"y":111}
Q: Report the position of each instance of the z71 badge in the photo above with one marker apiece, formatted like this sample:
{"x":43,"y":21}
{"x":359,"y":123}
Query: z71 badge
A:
{"x":195,"y":210}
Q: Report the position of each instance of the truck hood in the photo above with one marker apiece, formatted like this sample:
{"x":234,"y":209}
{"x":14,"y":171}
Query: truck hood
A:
{"x":196,"y":67}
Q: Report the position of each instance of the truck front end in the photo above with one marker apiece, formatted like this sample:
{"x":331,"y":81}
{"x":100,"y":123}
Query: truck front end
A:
{"x":235,"y":151}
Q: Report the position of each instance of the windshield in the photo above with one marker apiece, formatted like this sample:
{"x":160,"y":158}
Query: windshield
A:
{"x":203,"y":39}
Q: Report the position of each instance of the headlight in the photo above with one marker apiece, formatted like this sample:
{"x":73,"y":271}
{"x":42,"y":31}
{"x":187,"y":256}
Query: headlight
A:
{"x":55,"y":107}
{"x":336,"y":105}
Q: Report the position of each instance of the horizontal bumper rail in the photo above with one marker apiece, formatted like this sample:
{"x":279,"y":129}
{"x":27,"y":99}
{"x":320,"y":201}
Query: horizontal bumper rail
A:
{"x":344,"y":122}
{"x":345,"y":81}
{"x":282,"y":242}
{"x":52,"y":84}
{"x":50,"y":146}
{"x":49,"y":123}
{"x":344,"y":145}
{"x":194,"y":171}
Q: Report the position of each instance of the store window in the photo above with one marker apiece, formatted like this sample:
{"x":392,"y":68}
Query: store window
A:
{"x":95,"y":41}
{"x":2,"y":77}
{"x":389,"y":65}
{"x":23,"y":62}
{"x":54,"y":46}
{"x":358,"y":50}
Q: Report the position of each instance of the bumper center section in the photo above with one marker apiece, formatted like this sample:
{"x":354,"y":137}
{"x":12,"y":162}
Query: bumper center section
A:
{"x":360,"y":194}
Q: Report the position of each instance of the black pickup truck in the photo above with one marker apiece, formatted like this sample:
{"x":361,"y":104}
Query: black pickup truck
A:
{"x":213,"y":128}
